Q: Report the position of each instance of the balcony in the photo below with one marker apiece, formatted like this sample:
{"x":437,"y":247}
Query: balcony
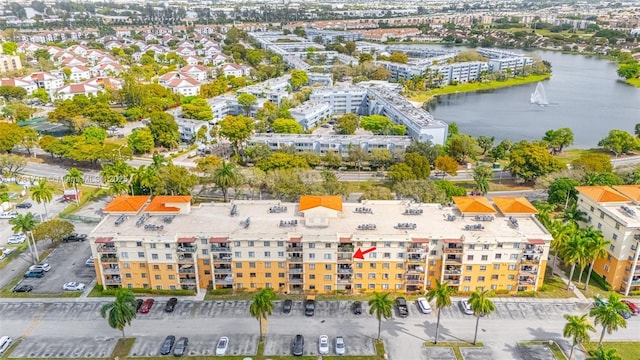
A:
{"x":187,"y":281}
{"x":109,"y":259}
{"x":530,"y":259}
{"x":293,"y":258}
{"x":526,"y":282}
{"x":453,"y":282}
{"x":215,"y":248}
{"x":294,"y":248}
{"x":344,"y":280}
{"x":107,"y":249}
{"x":414,"y":282}
{"x":111,"y":271}
{"x":452,"y":249}
{"x":529,"y":270}
{"x":533,"y":250}
{"x":345,"y":270}
{"x":345,"y":248}
{"x":417,"y":249}
{"x":223,"y":258}
{"x":222,"y":270}
{"x":415,"y":258}
{"x":113,"y":281}
{"x":295,"y":280}
{"x":454,"y":260}
{"x":188,"y":270}
{"x":415,"y":270}
{"x":295,"y":270}
{"x":186,"y":249}
{"x":345,"y":258}
{"x":634,"y":281}
{"x":186,"y":259}
{"x":453,"y":270}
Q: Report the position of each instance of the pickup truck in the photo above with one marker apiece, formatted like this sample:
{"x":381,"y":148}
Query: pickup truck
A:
{"x":310,"y":305}
{"x":403,"y":310}
{"x":75,"y":237}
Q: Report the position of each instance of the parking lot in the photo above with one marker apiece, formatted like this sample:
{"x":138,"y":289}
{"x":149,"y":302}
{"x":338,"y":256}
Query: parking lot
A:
{"x":67,"y":262}
{"x":354,"y":344}
{"x":204,"y":345}
{"x":69,"y":348}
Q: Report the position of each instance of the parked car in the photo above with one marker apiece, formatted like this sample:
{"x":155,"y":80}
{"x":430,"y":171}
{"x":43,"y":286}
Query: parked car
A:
{"x":286,"y":306}
{"x":167,"y":345}
{"x":297,"y":348}
{"x":423,"y":305}
{"x":310,"y":305}
{"x":181,"y":346}
{"x":340,"y":349}
{"x":356,"y":308}
{"x":89,"y":262}
{"x":171,"y":304}
{"x":8,"y":215}
{"x":401,"y":304}
{"x":632,"y":307}
{"x":146,"y":306}
{"x":221,"y":347}
{"x":465,"y":307}
{"x":323,"y":345}
{"x":22,"y":288}
{"x":44,"y":267}
{"x":138,"y":304}
{"x":75,"y":237}
{"x":5,"y":342}
{"x":73,"y":286}
{"x":603,"y":302}
{"x":24,"y":205}
{"x":17,"y":239}
{"x":34,"y":274}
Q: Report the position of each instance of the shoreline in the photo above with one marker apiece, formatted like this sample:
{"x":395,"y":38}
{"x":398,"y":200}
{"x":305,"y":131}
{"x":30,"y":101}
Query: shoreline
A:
{"x":425,"y":96}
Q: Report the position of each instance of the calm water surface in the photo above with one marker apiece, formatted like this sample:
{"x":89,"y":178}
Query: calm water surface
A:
{"x":583,"y":94}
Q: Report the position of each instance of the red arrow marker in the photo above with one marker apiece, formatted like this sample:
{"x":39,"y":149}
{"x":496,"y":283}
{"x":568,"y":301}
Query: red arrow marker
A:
{"x":360,"y":254}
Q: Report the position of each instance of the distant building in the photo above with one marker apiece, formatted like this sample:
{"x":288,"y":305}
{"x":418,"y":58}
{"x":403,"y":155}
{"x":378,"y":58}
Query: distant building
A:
{"x":342,"y":99}
{"x":9,"y":63}
{"x":310,"y":113}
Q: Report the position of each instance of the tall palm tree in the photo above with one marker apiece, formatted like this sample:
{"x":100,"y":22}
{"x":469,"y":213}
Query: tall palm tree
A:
{"x":42,"y":193}
{"x":118,"y":173}
{"x":262,"y":306}
{"x":225,"y":177}
{"x":481,"y":305}
{"x":146,"y":177}
{"x":577,"y":327}
{"x":74,"y":178}
{"x":382,"y":306}
{"x":25,"y":224}
{"x":544,"y":213}
{"x":603,"y":354}
{"x":608,"y":315}
{"x":597,"y":249}
{"x":574,"y":215}
{"x":562,"y":234}
{"x":442,"y":293}
{"x":575,"y":252}
{"x":121,"y":311}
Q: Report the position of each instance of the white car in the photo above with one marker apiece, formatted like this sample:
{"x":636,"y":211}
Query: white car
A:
{"x":465,"y":307}
{"x":73,"y":286}
{"x":17,"y":239}
{"x":423,"y":305}
{"x":222,"y":346}
{"x":43,"y":267}
{"x":5,"y":342}
{"x":7,"y":251}
{"x":8,"y":215}
{"x":340,"y":350}
{"x":323,"y":345}
{"x":89,"y":262}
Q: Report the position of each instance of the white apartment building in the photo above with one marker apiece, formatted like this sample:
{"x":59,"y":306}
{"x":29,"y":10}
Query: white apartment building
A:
{"x":342,"y":99}
{"x":310,"y":113}
{"x":320,"y":144}
{"x":460,"y":72}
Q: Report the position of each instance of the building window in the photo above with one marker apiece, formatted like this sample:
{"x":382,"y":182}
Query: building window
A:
{"x":238,"y":265}
{"x":143,"y":275}
{"x":141,"y":255}
{"x":465,"y":289}
{"x":327,"y":245}
{"x":359,"y":265}
{"x":204,"y":241}
{"x":611,"y":247}
{"x":606,"y":268}
{"x":167,"y":246}
{"x":280,"y":275}
{"x":494,"y":277}
{"x":158,"y":277}
{"x":516,"y":245}
{"x":467,"y":278}
{"x":312,"y":277}
{"x":327,"y":266}
{"x":433,"y":252}
{"x":153,"y":246}
{"x":237,"y":254}
{"x":280,"y":243}
{"x":159,"y":287}
{"x":250,"y":243}
{"x":127,"y":275}
{"x":372,"y":275}
{"x":126,"y":265}
{"x":169,"y":256}
{"x":512,"y":266}
{"x":312,"y":287}
{"x":205,"y":251}
{"x":267,"y":264}
{"x":327,"y":277}
{"x":481,"y":278}
{"x":312,"y":245}
{"x":511,"y":277}
{"x":472,"y":247}
{"x":252,"y":275}
{"x":514,"y":257}
{"x":591,"y":208}
{"x":387,"y":244}
{"x":252,"y":285}
{"x":509,"y":287}
{"x":143,"y":266}
{"x":500,"y":245}
{"x":312,"y":256}
{"x":615,"y":237}
{"x":156,"y":267}
{"x":280,"y":253}
{"x":599,"y":226}
{"x":483,"y":267}
{"x":484,"y":257}
{"x":236,"y":243}
{"x":327,"y":288}
{"x":238,"y":275}
{"x":252,"y":254}
{"x":373,"y":255}
{"x":267,"y":254}
{"x":358,"y":275}
{"x":431,"y":263}
{"x":385,"y":266}
{"x":280,"y":265}
{"x":267,"y":243}
{"x":252,"y":265}
{"x":372,"y":286}
{"x":485,"y":247}
{"x":138,"y":243}
{"x":327,"y":256}
{"x":372,"y":265}
{"x":617,"y":226}
{"x":493,"y":287}
{"x":469,"y":267}
{"x":173,"y":277}
{"x":267,"y":275}
{"x":496,"y":266}
{"x":385,"y":286}
{"x":154,"y":256}
{"x":498,"y":256}
{"x":386,"y":255}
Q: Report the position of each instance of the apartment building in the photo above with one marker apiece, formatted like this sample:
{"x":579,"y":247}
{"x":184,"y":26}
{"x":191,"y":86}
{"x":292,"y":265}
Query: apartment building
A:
{"x":9,"y":63}
{"x":460,"y":72}
{"x":615,"y":211}
{"x":308,"y":246}
{"x":310,"y":113}
{"x":342,"y":99}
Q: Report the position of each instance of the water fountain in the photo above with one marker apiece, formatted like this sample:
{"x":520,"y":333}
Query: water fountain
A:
{"x":539,"y":96}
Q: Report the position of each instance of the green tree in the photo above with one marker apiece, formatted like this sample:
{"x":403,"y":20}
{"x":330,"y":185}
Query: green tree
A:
{"x":350,"y":46}
{"x":529,"y":161}
{"x":603,"y":354}
{"x":287,"y":126}
{"x":141,"y":141}
{"x":120,"y":312}
{"x":400,"y":172}
{"x":558,"y":139}
{"x":619,"y":142}
{"x":246,"y":101}
{"x":574,"y":215}
{"x":377,"y":124}
{"x":419,"y":165}
{"x":54,"y":230}
{"x":578,"y":328}
{"x":481,"y":175}
{"x":11,"y":136}
{"x":174,"y":180}
{"x":399,"y":57}
{"x":481,"y":305}
{"x":42,"y":193}
{"x":501,"y":150}
{"x":226,"y":176}
{"x":347,"y":124}
{"x":562,"y":234}
{"x":629,"y":70}
{"x":164,"y":129}
{"x":262,"y":306}
{"x":11,"y":164}
{"x":41,"y":94}
{"x":608,"y":315}
{"x":254,"y":57}
{"x":298,"y":78}
{"x":9,"y":48}
{"x":562,"y":191}
{"x":596,"y":249}
{"x":94,"y":135}
{"x":575,"y":252}
{"x":280,"y":160}
{"x":74,"y":178}
{"x":382,"y":306}
{"x":447,"y":165}
{"x":485,"y":143}
{"x":462,"y":146}
{"x":236,"y":129}
{"x":593,"y":163}
{"x":197,"y":109}
{"x":442,"y":293}
{"x":26,"y":223}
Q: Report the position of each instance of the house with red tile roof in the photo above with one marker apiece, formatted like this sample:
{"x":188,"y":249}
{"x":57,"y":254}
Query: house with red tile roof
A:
{"x":78,"y":73}
{"x":29,"y":86}
{"x":69,"y":91}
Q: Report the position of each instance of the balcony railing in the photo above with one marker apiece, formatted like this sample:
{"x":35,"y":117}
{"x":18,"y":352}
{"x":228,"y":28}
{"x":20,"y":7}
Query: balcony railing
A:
{"x":222,"y":270}
{"x":186,"y":249}
{"x":453,"y":260}
{"x":113,"y":281}
{"x":295,"y":280}
{"x":111,"y":271}
{"x":185,"y":259}
{"x":187,"y":281}
{"x":222,"y":258}
{"x":414,"y":282}
{"x":294,"y":258}
{"x":220,"y":248}
{"x":453,"y":272}
{"x":295,"y":270}
{"x":530,"y":260}
{"x":453,"y":250}
{"x":187,"y":271}
{"x":345,"y":271}
{"x":454,"y":282}
{"x":412,"y":250}
{"x":109,"y":259}
{"x":344,"y":281}
{"x":107,"y":249}
{"x":294,"y":248}
{"x":345,"y":248}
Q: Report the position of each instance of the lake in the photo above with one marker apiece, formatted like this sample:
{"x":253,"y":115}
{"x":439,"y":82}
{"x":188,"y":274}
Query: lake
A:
{"x":583,"y":95}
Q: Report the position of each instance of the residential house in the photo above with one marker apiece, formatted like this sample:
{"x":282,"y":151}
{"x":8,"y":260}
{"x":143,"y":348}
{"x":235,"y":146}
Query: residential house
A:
{"x":71,"y":90}
{"x":28,"y":85}
{"x":77,"y":73}
{"x":198,"y":72}
{"x":45,"y":80}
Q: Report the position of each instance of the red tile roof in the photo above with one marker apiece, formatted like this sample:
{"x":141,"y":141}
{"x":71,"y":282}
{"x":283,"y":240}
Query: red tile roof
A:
{"x":473,"y":204}
{"x":126,"y":204}
{"x":602,"y":194}
{"x":329,"y":202}
{"x":514,"y":205}
{"x":158,"y":204}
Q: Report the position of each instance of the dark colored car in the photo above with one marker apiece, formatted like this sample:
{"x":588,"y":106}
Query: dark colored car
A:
{"x":146,"y":306}
{"x":75,"y":237}
{"x":24,"y":205}
{"x":167,"y":345}
{"x":181,"y":346}
{"x":171,"y":304}
{"x":403,"y":310}
{"x":297,"y":348}
{"x":357,"y":308}
{"x":286,"y":306}
{"x":632,"y":307}
{"x":37,"y":273}
{"x":22,"y":288}
{"x":138,"y":304}
{"x":309,"y":307}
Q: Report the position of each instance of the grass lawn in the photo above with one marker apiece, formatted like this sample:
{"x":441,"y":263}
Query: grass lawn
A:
{"x":567,"y":156}
{"x":555,"y":349}
{"x":635,"y":82}
{"x":625,"y":350}
{"x":594,"y":288}
{"x":89,"y":194}
{"x":553,"y":287}
{"x":422,"y":96}
{"x":454,"y":345}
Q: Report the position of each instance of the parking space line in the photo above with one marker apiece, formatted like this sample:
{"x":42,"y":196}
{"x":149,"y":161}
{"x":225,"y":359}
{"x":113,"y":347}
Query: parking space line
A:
{"x":31,"y":327}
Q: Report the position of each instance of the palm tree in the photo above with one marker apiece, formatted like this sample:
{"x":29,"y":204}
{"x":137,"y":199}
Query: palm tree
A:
{"x":561,"y":233}
{"x":74,"y":178}
{"x":262,"y":306}
{"x":577,"y":327}
{"x":146,"y":177}
{"x":442,"y":293}
{"x":121,"y":311}
{"x":482,"y":175}
{"x":597,"y":249}
{"x":575,"y":252}
{"x":382,"y":306}
{"x":225,"y":177}
{"x":574,"y":215}
{"x":25,"y":224}
{"x":42,"y":193}
{"x":117,"y":176}
{"x":603,"y":354}
{"x":481,"y":306}
{"x":544,"y":213}
{"x":608,"y":315}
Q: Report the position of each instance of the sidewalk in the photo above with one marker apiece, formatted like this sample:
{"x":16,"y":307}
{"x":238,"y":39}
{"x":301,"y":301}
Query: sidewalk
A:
{"x":565,"y":279}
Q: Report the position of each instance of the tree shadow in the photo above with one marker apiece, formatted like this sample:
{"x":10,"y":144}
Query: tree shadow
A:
{"x":544,"y":335}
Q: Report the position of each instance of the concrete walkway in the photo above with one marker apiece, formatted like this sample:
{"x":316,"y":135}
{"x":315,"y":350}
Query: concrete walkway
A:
{"x":565,"y":279}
